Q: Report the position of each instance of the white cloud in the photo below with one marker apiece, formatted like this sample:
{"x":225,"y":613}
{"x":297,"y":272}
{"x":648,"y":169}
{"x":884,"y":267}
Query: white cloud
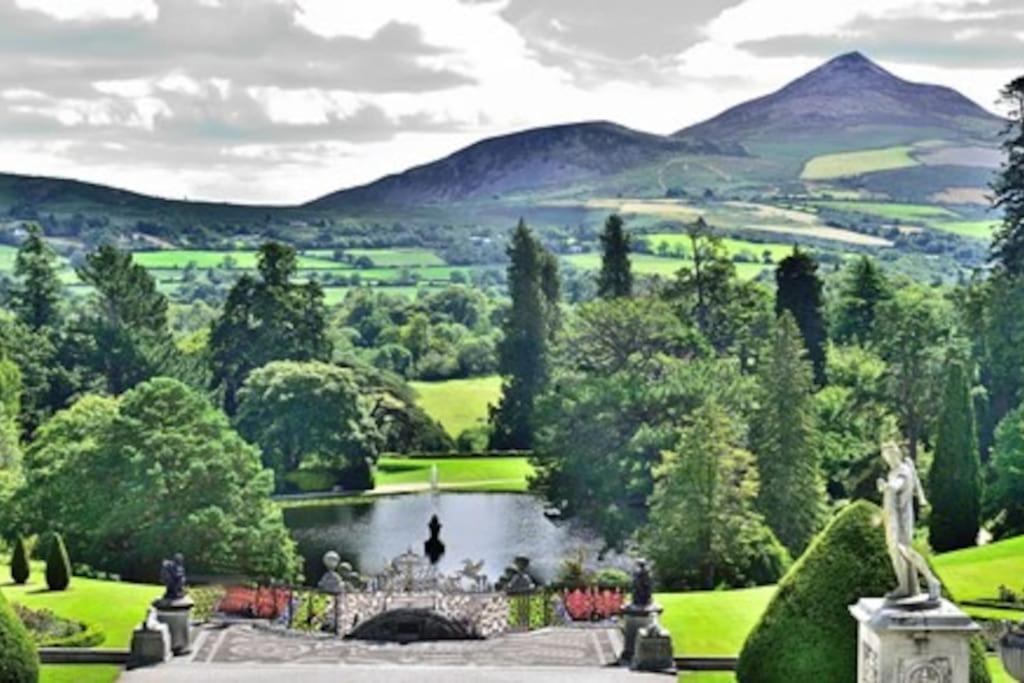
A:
{"x":282,"y":100}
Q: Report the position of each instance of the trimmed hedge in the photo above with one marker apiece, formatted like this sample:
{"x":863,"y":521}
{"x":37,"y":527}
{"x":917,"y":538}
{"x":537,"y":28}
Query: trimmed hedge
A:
{"x":58,"y":566}
{"x":18,"y":660}
{"x":20,"y":569}
{"x":47,"y":629}
{"x":807,"y":632}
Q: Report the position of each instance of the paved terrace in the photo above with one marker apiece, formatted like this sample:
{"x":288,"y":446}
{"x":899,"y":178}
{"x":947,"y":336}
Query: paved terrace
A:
{"x":246,"y":652}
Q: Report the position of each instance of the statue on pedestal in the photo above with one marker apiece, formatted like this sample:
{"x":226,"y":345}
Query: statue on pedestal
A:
{"x":172,"y":574}
{"x":433,"y":547}
{"x":900,"y":488}
{"x":643,"y":586}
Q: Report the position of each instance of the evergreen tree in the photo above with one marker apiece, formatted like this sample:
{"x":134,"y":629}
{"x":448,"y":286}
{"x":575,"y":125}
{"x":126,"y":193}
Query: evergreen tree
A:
{"x":954,"y":481}
{"x":704,"y":530}
{"x":799,"y":291}
{"x":616,"y":278}
{"x":522,"y":352}
{"x":785,"y":440}
{"x":58,"y":565}
{"x":36,"y":294}
{"x":1008,"y":245}
{"x":267,"y":319}
{"x":20,"y":568}
{"x":864,"y":287}
{"x":124,"y":329}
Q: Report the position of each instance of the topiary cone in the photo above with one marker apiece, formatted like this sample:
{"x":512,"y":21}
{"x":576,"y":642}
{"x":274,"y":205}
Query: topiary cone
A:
{"x":58,"y":566}
{"x":18,"y":660}
{"x":20,"y":569}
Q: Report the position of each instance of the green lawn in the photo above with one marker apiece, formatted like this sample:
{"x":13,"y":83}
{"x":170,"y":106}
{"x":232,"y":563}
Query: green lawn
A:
{"x":977,"y":573}
{"x":981,"y":230}
{"x":459,"y":403}
{"x":855,"y":163}
{"x":504,"y":473}
{"x":891,"y":210}
{"x":712,"y":623}
{"x":116,"y":607}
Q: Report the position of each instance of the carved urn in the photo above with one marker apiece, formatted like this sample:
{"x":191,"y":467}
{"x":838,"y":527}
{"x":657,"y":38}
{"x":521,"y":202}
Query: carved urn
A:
{"x":1011,"y":651}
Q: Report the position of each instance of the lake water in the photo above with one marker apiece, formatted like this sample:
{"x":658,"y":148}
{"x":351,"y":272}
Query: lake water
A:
{"x":494,"y":527}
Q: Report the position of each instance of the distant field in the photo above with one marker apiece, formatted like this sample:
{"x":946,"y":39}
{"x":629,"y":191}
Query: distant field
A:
{"x":855,"y":163}
{"x":892,"y":211}
{"x":777,"y":250}
{"x":385,"y":258}
{"x":649,"y":264}
{"x":247,"y":260}
{"x":459,"y":403}
{"x":982,"y":230}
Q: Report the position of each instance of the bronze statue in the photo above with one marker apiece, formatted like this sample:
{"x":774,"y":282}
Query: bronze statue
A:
{"x":433,"y":548}
{"x":643,"y":586}
{"x":172,"y":574}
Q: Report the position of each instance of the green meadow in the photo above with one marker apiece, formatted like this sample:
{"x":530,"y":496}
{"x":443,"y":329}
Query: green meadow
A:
{"x":649,"y":264}
{"x":479,"y":473}
{"x":891,"y":210}
{"x":459,"y":403}
{"x":674,"y":240}
{"x":982,"y":230}
{"x":843,"y":164}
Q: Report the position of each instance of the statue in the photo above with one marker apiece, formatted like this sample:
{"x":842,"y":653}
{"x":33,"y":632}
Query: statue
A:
{"x":172,"y":574}
{"x":899,"y":490}
{"x":433,"y":548}
{"x":643,"y":586}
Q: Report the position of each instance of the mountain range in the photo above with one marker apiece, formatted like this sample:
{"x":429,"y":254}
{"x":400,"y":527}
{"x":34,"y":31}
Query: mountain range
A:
{"x":761,"y":146}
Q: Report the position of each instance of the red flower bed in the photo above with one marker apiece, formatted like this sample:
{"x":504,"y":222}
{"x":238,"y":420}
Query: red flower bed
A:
{"x":262,"y":603}
{"x":592,"y":604}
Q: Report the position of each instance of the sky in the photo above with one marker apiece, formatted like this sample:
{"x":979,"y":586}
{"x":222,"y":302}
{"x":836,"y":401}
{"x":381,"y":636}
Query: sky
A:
{"x":282,"y":101}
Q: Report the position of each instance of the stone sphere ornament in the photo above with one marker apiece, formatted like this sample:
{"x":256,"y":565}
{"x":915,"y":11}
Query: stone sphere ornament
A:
{"x":331,"y":560}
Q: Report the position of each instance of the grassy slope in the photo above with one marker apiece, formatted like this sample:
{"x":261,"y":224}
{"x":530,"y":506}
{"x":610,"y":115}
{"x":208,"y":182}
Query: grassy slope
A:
{"x":459,"y":403}
{"x":855,"y":163}
{"x":713,"y":622}
{"x":891,"y":210}
{"x":778,"y":250}
{"x":981,"y":230}
{"x":978,"y":572}
{"x":398,"y":256}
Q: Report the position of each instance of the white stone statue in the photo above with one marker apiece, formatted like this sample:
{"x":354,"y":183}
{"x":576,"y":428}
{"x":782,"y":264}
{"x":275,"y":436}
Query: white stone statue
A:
{"x":900,"y":489}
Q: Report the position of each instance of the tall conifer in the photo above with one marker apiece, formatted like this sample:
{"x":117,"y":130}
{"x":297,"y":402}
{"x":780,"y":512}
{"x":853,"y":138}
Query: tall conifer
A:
{"x":616,"y":278}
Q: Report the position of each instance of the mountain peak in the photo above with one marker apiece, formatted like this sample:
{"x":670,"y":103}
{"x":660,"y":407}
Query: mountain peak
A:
{"x":845,"y":92}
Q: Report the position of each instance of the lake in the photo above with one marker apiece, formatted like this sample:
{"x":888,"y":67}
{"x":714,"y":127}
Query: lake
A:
{"x":494,"y":527}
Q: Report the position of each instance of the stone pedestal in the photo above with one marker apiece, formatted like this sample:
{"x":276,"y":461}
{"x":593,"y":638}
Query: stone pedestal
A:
{"x":636,"y":617}
{"x":912,"y":643}
{"x":151,"y":643}
{"x":176,"y":614}
{"x":654,"y":650}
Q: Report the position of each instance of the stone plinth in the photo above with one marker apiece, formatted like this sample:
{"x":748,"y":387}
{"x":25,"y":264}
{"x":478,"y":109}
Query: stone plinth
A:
{"x":636,"y":617}
{"x":176,"y":614}
{"x":654,"y":650}
{"x":912,"y":643}
{"x":151,"y":644}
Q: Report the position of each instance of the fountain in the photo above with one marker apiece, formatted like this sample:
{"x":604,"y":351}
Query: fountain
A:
{"x":434,"y":479}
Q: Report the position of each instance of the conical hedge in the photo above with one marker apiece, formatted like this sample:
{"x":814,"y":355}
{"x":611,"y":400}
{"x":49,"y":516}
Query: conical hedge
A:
{"x":58,"y":566}
{"x":18,"y":660}
{"x":807,"y":633}
{"x":19,"y":562}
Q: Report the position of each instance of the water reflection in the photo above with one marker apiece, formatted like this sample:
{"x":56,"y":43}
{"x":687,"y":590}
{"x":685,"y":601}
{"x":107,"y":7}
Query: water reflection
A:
{"x":494,"y":527}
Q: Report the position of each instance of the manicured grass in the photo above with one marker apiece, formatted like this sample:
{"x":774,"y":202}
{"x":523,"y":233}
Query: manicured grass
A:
{"x":975,"y":573}
{"x":397,"y":257}
{"x":713,"y":623}
{"x":459,"y":403}
{"x":115,"y":606}
{"x":504,"y":473}
{"x":79,"y":673}
{"x":856,"y":163}
{"x":981,"y":230}
{"x":891,"y":210}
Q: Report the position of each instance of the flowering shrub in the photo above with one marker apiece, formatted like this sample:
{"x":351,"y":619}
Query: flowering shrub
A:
{"x":261,"y":603}
{"x":592,"y":604}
